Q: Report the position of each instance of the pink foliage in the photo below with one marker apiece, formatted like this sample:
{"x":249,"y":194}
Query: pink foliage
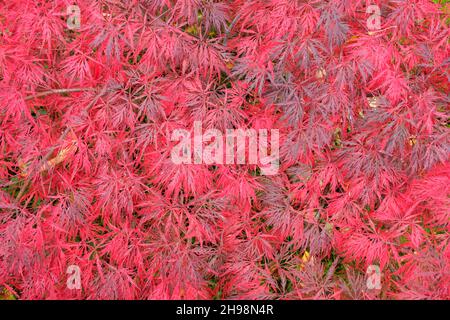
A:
{"x":86,"y":177}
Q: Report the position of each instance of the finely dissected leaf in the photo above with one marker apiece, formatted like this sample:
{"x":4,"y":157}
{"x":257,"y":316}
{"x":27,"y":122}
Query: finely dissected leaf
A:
{"x":88,"y":182}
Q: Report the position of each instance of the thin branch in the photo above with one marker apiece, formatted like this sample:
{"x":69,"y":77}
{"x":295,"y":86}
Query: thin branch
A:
{"x":60,"y":139}
{"x":57,"y":91}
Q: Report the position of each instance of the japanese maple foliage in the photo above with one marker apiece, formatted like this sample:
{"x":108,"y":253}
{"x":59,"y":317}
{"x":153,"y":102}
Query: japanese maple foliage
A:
{"x":86,"y":177}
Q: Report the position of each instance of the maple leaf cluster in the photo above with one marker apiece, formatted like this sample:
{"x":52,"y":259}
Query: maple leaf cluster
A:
{"x":87,"y":180}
